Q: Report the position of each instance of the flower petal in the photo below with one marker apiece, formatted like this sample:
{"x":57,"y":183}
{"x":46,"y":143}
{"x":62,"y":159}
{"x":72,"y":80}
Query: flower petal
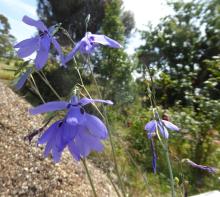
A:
{"x":36,"y":23}
{"x":151,"y":126}
{"x":68,"y":133}
{"x":163,"y":131}
{"x":75,"y":115}
{"x":58,"y":48}
{"x":104,"y":40}
{"x":81,"y":145}
{"x":27,"y":47}
{"x":42,"y":53}
{"x":49,"y":147}
{"x":56,"y":154}
{"x":96,"y":126}
{"x":27,"y":42}
{"x":85,"y":101}
{"x":49,"y":107}
{"x":73,"y":52}
{"x":49,"y":133}
{"x":91,"y":141}
{"x":154,"y":159}
{"x":74,"y":151}
{"x":85,"y":142}
{"x":23,"y":79}
{"x":170,"y":125}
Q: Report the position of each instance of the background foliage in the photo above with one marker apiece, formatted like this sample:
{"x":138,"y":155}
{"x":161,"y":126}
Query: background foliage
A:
{"x":183,"y":54}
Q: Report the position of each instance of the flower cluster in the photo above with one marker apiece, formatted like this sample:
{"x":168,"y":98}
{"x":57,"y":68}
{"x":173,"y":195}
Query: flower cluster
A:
{"x":42,"y":42}
{"x":79,"y":131}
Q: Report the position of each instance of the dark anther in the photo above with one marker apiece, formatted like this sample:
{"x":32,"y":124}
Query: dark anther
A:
{"x":68,"y":106}
{"x":60,"y":124}
{"x":82,"y":110}
{"x":30,"y":136}
{"x":43,"y":33}
{"x":92,"y":38}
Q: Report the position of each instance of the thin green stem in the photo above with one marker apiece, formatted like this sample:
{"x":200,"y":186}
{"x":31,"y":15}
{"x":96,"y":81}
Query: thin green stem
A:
{"x":110,"y":135}
{"x":116,"y":190}
{"x":36,"y":88}
{"x":89,"y":177}
{"x":170,"y":172}
{"x":165,"y":146}
{"x":114,"y":156}
{"x":141,"y":172}
{"x":43,"y":77}
{"x":110,"y":139}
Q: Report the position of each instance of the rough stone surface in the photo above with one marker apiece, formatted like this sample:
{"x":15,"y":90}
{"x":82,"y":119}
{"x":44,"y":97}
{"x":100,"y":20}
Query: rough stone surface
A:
{"x":24,"y":171}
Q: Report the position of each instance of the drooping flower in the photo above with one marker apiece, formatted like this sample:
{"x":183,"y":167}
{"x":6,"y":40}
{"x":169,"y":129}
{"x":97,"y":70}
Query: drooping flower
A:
{"x":40,"y":43}
{"x":154,"y":156}
{"x":201,"y":167}
{"x":162,"y":126}
{"x":79,"y":131}
{"x":88,"y":43}
{"x":22,"y":79}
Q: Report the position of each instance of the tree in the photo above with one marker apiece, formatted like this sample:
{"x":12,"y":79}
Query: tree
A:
{"x":72,"y":15}
{"x":178,"y":48}
{"x":6,"y":39}
{"x":113,"y":65}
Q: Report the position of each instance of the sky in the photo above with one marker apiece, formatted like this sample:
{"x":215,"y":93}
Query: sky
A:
{"x":145,"y":11}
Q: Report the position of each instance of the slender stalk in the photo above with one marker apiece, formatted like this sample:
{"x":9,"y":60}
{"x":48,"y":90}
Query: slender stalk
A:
{"x":36,"y":88}
{"x":89,"y":177}
{"x":43,"y":77}
{"x":104,"y":117}
{"x":110,"y":135}
{"x":116,"y":190}
{"x":114,"y":156}
{"x":110,"y":138}
{"x":165,"y":147}
{"x":141,"y":172}
{"x":170,"y":172}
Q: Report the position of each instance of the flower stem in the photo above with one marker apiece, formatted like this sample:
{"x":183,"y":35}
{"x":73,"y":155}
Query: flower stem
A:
{"x":89,"y":177}
{"x":170,"y":172}
{"x":113,"y":154}
{"x":110,"y":135}
{"x":114,"y":186}
{"x":36,"y":88}
{"x":104,"y":116}
{"x":43,"y":77}
{"x":156,"y":116}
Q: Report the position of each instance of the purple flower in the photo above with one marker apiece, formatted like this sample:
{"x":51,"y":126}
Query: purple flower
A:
{"x":22,"y":79}
{"x":40,"y":43}
{"x":88,"y":43}
{"x":154,"y":159}
{"x":162,"y":126}
{"x":79,"y":131}
{"x":207,"y":168}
